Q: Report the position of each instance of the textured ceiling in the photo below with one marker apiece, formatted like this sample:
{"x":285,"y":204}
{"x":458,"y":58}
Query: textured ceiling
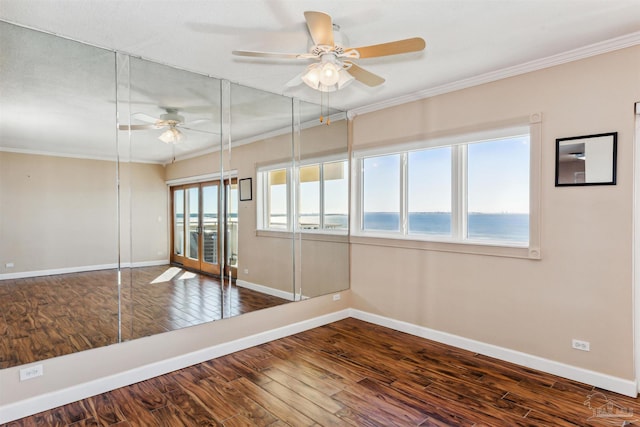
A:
{"x":59,"y":97}
{"x":465,"y":38}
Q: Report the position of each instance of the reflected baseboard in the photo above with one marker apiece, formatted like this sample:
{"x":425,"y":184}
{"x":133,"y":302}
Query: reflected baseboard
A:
{"x":290,"y":296}
{"x":80,"y":269}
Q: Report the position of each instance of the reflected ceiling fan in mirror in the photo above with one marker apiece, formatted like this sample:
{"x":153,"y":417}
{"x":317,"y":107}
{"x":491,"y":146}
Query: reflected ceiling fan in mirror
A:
{"x":334,"y":67}
{"x":171,"y":120}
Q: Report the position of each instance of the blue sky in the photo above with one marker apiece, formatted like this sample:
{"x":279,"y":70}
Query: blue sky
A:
{"x":499,"y":176}
{"x":498,"y":182}
{"x":498,"y":179}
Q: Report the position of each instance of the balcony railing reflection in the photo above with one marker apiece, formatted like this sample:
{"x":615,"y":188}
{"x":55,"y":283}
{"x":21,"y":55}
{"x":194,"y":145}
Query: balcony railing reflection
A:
{"x":210,"y":240}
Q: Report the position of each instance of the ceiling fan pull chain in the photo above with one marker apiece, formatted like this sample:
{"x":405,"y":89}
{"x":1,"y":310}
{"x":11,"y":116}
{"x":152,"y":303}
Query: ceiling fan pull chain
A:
{"x":328,"y":112}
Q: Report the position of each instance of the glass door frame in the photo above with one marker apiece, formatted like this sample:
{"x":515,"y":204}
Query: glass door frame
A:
{"x":223,"y":223}
{"x":229,"y":268}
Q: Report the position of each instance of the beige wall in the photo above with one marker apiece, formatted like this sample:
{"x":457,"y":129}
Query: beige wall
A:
{"x":146,"y":211}
{"x":61,"y":213}
{"x":582,"y":287}
{"x":56,"y":212}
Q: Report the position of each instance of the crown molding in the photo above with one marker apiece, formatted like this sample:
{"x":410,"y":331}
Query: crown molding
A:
{"x":599,"y":48}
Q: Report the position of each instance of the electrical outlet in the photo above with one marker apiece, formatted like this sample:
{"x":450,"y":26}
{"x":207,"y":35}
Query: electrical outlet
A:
{"x":580,"y":345}
{"x":246,"y":271}
{"x":336,"y":297}
{"x":31,"y":372}
{"x":9,"y":265}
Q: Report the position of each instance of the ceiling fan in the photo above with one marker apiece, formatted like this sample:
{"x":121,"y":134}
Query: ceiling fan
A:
{"x":171,"y":120}
{"x":334,"y":67}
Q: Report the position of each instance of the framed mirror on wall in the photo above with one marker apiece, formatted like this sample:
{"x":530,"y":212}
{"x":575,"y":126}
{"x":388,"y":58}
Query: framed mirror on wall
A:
{"x":586,"y":160}
{"x":120,"y":206}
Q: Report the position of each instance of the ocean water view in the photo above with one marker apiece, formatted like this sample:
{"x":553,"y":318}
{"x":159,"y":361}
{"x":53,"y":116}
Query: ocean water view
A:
{"x":505,"y":227}
{"x":481,"y":226}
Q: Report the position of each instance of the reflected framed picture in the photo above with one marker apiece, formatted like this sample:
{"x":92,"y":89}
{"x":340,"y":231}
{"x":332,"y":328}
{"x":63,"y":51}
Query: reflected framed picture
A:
{"x":586,"y":160}
{"x":245,"y":189}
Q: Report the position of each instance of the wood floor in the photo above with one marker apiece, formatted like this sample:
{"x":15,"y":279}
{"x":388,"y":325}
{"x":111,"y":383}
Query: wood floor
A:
{"x":44,"y":317}
{"x":349,"y":373}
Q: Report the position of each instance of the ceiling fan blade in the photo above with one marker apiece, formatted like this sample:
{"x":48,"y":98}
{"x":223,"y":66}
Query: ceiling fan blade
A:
{"x":275,"y":55}
{"x":295,"y":81}
{"x":198,"y":130}
{"x":320,"y":28}
{"x":138,"y":127}
{"x":364,"y":76}
{"x":195,"y":122}
{"x":145,"y":118}
{"x":392,"y":48}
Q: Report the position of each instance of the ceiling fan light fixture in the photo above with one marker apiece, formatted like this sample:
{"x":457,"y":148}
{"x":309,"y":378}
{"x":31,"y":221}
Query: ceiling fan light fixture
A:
{"x":345,"y":79}
{"x":312,"y":76}
{"x":330,"y":74}
{"x":171,"y":135}
{"x":327,"y":76}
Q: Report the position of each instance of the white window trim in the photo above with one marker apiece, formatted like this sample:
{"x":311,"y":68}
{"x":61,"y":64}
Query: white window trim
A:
{"x":458,"y":141}
{"x":262,"y":205}
{"x":233,"y":173}
{"x":293,"y":185}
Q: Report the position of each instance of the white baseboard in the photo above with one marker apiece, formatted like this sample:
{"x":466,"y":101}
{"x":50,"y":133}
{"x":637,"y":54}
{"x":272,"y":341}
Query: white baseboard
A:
{"x":153,"y":263}
{"x":604,"y":381}
{"x":266,"y":290}
{"x":80,"y":269}
{"x":47,"y":401}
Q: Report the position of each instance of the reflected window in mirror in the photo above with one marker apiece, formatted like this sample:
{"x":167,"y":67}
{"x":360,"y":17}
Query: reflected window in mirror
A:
{"x":322,"y":196}
{"x":336,"y":195}
{"x":273,"y":199}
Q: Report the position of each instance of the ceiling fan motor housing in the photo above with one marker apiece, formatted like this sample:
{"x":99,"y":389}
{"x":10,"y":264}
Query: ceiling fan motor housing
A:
{"x":172,"y":116}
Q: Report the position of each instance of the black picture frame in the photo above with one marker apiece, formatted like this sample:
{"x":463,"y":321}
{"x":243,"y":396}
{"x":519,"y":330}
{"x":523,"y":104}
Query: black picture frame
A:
{"x":586,"y":160}
{"x":245,"y":189}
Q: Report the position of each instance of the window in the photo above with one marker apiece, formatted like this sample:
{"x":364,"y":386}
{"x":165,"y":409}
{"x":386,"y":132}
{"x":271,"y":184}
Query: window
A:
{"x":429,"y":192}
{"x":335,"y":195}
{"x":309,"y":205}
{"x":277,"y":193}
{"x":465,"y":191}
{"x":498,"y":190}
{"x":381,"y":193}
{"x":322,"y":196}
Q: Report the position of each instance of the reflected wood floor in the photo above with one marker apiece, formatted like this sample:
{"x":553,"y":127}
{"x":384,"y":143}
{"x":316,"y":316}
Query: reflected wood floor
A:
{"x":44,"y":317}
{"x":349,"y":373}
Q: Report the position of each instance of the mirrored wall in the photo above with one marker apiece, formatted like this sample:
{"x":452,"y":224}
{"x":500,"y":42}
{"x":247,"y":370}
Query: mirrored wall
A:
{"x":137,"y":198}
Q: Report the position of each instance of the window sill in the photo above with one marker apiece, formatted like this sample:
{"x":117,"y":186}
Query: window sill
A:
{"x":320,"y":236}
{"x":472,"y":247}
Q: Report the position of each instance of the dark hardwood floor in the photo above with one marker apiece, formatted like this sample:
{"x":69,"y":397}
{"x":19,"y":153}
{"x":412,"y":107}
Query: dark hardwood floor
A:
{"x":349,"y":373}
{"x":44,"y":317}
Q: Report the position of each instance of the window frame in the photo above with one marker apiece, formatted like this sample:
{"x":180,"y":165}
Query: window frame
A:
{"x":263,"y":205}
{"x":293,"y":183}
{"x":458,"y":242}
